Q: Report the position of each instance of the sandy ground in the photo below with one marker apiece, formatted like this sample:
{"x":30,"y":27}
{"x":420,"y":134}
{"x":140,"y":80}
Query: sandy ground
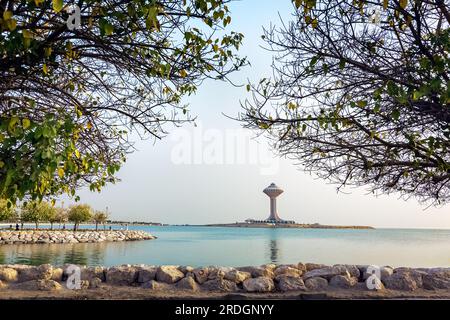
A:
{"x":136,"y":293}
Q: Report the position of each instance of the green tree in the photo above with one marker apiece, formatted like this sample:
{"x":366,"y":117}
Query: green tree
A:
{"x":7,"y":211}
{"x":361,"y":94}
{"x":99,"y":217}
{"x":78,"y":214}
{"x":68,"y":98}
{"x":61,"y":216}
{"x":36,"y":212}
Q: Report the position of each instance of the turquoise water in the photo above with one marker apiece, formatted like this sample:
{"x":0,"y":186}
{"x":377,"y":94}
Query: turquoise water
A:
{"x":189,"y":245}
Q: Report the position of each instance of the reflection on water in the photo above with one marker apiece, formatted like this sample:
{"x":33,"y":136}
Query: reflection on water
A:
{"x":198,"y":246}
{"x":36,"y":254}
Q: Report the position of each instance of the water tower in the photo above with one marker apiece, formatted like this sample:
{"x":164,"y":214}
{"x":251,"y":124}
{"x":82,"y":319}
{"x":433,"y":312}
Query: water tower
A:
{"x":273,"y":191}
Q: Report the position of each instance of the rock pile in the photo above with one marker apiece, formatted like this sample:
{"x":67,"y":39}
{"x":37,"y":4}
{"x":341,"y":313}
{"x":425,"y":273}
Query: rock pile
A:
{"x":257,"y":279}
{"x":66,"y":236}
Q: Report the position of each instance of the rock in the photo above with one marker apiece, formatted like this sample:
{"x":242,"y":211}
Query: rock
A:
{"x":384,"y":272}
{"x":288,"y":271}
{"x":90,"y":273}
{"x":201,"y":275}
{"x":9,"y":274}
{"x":314,"y":266}
{"x":301,"y":267}
{"x":437,"y":280}
{"x":42,"y":272}
{"x":401,"y":281}
{"x":188,"y":283}
{"x":186,"y":269}
{"x":48,"y":285}
{"x":262,"y":271}
{"x":316,"y":284}
{"x":220,"y":285}
{"x":3,"y":285}
{"x":289,"y":283}
{"x":327,"y":272}
{"x":57,"y":274}
{"x":154,"y":285}
{"x":216,"y":273}
{"x":168,"y":274}
{"x":352,"y":269}
{"x":146,"y":273}
{"x":259,"y":284}
{"x":345,"y":282}
{"x":95,"y":283}
{"x":237,"y":276}
{"x":121,"y":276}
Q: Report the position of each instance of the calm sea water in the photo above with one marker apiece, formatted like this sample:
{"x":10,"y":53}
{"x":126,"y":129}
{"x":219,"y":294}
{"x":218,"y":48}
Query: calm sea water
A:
{"x":196,"y":246}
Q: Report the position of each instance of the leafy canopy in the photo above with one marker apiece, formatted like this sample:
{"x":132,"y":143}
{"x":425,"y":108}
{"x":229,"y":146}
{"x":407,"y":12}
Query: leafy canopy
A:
{"x":70,"y":98}
{"x":361,"y":94}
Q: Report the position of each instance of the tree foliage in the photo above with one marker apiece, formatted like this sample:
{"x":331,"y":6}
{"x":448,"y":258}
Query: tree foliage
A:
{"x":7,"y":211}
{"x":360,"y":94}
{"x":37,"y":212}
{"x":79,"y":213}
{"x":69,"y":98}
{"x":99,"y":217}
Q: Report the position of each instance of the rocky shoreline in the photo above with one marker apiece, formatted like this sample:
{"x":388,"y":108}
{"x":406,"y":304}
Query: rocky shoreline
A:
{"x":270,"y":281}
{"x":68,"y":236}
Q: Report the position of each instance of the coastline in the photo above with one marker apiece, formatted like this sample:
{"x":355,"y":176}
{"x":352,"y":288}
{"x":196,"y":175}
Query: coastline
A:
{"x":294,"y":226}
{"x":294,"y":281}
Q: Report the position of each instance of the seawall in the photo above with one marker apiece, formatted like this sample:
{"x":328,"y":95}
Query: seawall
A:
{"x":265,"y":281}
{"x":68,"y":236}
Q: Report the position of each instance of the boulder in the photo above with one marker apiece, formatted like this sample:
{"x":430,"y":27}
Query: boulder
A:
{"x":314,"y":266}
{"x":186,"y":269}
{"x":220,"y":285}
{"x":345,"y":282}
{"x":42,"y":284}
{"x":95,"y":283}
{"x":57,"y":274}
{"x":237,"y":276}
{"x":316,"y":284}
{"x":201,"y":275}
{"x":352,"y":269}
{"x":384,"y":272}
{"x":287,"y":271}
{"x":154,"y":285}
{"x":437,"y":280}
{"x":89,"y":273}
{"x":301,"y":267}
{"x":3,"y":285}
{"x":259,"y":284}
{"x":42,"y":272}
{"x":261,"y":271}
{"x":9,"y":274}
{"x":188,"y":283}
{"x":217,"y":272}
{"x":401,"y":281}
{"x":146,"y":273}
{"x":168,"y":274}
{"x":327,"y":273}
{"x":289,"y":283}
{"x":122,"y":275}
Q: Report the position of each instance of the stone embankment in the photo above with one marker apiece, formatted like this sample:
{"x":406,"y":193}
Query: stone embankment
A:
{"x":66,"y":236}
{"x":260,"y":280}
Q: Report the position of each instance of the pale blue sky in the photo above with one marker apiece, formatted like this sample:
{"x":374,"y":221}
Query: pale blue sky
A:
{"x":154,"y":188}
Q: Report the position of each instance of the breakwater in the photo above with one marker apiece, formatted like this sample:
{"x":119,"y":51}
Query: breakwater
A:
{"x":67,"y":236}
{"x":265,"y":279}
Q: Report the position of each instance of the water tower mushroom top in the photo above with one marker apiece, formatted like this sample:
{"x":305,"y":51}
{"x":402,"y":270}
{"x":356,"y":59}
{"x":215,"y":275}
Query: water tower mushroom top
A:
{"x":273,"y":191}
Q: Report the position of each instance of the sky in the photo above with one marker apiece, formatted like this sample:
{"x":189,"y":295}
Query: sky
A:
{"x":215,"y":172}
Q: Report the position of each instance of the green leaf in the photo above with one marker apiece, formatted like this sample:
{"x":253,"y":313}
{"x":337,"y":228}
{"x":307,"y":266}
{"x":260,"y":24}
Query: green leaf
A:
{"x":57,"y":5}
{"x":395,"y":114}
